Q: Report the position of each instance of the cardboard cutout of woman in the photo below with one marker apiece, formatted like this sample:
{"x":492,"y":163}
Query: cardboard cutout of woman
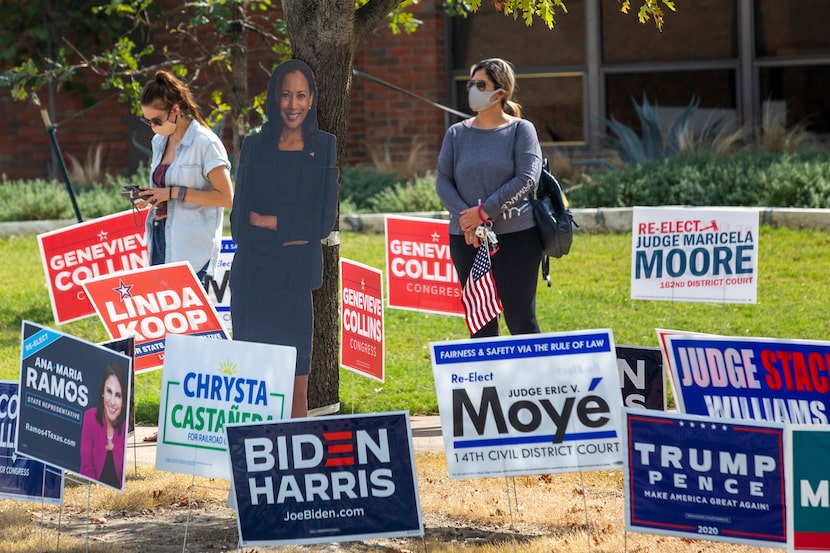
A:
{"x":103,"y":432}
{"x":285,"y":203}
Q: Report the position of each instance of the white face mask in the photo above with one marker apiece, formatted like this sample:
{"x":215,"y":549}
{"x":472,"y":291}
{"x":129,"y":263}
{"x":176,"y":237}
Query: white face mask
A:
{"x":479,"y":100}
{"x":167,"y":128}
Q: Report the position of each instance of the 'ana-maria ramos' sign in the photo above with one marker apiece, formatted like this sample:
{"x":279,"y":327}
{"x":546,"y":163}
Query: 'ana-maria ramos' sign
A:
{"x":705,"y":478}
{"x":808,"y":488}
{"x":361,"y":319}
{"x":325,"y":479}
{"x":420,"y":274}
{"x":762,"y":379}
{"x":149,"y":303}
{"x":22,"y":478}
{"x":694,"y":254}
{"x":532,"y":404}
{"x":90,"y":249}
{"x":208,"y":384}
{"x":65,"y":399}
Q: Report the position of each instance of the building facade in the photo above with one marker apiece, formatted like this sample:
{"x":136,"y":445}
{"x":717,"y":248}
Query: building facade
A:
{"x":739,"y":58}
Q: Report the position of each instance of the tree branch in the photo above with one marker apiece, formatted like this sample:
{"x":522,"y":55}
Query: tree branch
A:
{"x":369,"y":15}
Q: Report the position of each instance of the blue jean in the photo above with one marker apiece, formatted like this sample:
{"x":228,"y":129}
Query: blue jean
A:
{"x":159,"y":248}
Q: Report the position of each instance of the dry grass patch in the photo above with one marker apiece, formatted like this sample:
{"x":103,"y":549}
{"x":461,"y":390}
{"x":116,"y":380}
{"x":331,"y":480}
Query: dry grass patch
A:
{"x":150,"y":517}
{"x":160,"y":512}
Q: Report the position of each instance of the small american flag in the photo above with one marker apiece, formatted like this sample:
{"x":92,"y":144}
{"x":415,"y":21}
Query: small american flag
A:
{"x":480,"y":298}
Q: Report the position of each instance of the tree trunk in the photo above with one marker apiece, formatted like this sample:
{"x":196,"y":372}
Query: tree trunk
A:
{"x":326,"y":34}
{"x":239,"y":80}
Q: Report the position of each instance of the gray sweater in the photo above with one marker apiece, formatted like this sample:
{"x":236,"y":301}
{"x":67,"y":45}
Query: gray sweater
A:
{"x":498,"y":168}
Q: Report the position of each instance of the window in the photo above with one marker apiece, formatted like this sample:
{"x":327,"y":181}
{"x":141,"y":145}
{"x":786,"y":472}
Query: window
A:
{"x":489,"y":34}
{"x":794,"y":28}
{"x":798,"y":95}
{"x":671,"y":92}
{"x":702,"y":30}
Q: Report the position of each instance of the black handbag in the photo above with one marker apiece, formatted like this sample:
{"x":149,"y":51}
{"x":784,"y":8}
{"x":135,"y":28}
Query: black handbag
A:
{"x":554,"y":221}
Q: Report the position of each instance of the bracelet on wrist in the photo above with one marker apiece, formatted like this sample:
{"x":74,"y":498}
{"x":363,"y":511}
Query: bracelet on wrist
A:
{"x":480,"y":216}
{"x":181,"y":193}
{"x":170,"y":193}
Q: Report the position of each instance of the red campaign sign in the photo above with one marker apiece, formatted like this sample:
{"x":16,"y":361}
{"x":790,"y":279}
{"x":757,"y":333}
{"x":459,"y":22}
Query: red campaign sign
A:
{"x":94,"y":248}
{"x":148,"y":303}
{"x":419,"y":271}
{"x":361,"y":319}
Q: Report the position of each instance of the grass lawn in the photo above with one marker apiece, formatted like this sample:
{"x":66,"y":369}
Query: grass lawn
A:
{"x":591,"y":289}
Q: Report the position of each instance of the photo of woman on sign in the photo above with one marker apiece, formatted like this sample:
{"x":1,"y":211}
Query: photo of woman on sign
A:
{"x":103,"y":433}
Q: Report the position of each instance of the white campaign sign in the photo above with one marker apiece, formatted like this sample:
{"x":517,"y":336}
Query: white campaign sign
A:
{"x":694,"y":254}
{"x":209,"y":383}
{"x":532,"y":404}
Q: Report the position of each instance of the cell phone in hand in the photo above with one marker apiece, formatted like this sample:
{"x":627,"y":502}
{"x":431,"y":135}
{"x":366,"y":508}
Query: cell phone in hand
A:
{"x":131,"y":192}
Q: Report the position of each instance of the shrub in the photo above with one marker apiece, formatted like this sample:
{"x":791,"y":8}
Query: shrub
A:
{"x":41,"y":199}
{"x":417,"y":195}
{"x":360,"y":182}
{"x":704,"y":179}
{"x":797,"y":181}
{"x":34,"y":200}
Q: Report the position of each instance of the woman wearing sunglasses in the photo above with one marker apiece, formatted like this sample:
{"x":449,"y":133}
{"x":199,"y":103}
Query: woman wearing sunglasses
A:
{"x":487,"y":169}
{"x":190,"y":183}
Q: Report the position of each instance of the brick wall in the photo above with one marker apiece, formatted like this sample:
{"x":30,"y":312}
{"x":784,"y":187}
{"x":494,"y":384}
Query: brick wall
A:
{"x":86,"y":118}
{"x":393,"y":130}
{"x":390,"y":128}
{"x":384,"y":124}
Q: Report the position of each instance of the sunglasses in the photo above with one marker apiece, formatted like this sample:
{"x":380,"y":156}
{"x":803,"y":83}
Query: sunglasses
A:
{"x":155,"y":121}
{"x":481,"y":85}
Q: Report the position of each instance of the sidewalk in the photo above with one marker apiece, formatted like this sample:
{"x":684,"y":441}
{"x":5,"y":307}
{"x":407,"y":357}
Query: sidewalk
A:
{"x":426,"y":437}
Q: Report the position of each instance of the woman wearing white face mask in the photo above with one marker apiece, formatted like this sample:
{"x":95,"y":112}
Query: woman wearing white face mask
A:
{"x":190,"y":181}
{"x":487,"y":169}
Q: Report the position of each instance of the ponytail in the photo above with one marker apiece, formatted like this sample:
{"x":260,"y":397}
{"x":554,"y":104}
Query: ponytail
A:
{"x":165,"y":90}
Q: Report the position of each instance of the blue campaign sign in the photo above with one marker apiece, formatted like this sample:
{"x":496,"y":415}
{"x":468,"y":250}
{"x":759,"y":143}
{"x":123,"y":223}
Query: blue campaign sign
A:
{"x":641,"y":377}
{"x":73,"y":407}
{"x":705,"y":478}
{"x":324,"y":479}
{"x":22,"y":478}
{"x":760,"y":379}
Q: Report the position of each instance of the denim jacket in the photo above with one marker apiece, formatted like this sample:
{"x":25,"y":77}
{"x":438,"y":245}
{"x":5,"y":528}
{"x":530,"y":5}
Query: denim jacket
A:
{"x":193,"y":232}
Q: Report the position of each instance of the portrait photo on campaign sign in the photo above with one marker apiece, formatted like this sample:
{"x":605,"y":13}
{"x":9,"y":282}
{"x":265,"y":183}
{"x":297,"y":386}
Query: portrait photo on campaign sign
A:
{"x":325,"y":479}
{"x":73,"y":404}
{"x":529,"y":404}
{"x":766,"y":379}
{"x":705,"y":478}
{"x":22,"y":478}
{"x":127,"y":347}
